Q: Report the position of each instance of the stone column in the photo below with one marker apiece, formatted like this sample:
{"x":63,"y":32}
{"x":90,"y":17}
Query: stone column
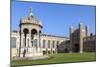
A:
{"x":51,"y":44}
{"x":55,"y":47}
{"x":30,"y":48}
{"x":40,"y":42}
{"x":30,"y":45}
{"x":81,"y":38}
{"x":22,"y":46}
{"x":38,"y":45}
{"x":71,"y":42}
{"x":46,"y":44}
{"x":27,"y":45}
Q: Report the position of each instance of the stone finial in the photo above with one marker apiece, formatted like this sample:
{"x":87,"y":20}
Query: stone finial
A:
{"x":87,"y":30}
{"x":30,"y":11}
{"x":80,"y":24}
{"x":71,"y":29}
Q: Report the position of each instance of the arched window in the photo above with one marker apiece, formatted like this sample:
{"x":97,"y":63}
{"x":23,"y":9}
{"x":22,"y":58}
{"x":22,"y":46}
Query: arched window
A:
{"x":43,"y":43}
{"x":57,"y":42}
{"x":48,"y":43}
{"x":13,"y":42}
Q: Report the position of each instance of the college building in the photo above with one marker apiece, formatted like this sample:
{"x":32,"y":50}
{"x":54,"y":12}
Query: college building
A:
{"x":80,"y":40}
{"x":29,"y":40}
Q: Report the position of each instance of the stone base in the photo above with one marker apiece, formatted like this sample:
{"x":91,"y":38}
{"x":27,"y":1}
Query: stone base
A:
{"x":32,"y":54}
{"x":81,"y":51}
{"x":31,"y":58}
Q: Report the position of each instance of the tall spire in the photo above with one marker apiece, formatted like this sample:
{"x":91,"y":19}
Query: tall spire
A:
{"x":30,"y":12}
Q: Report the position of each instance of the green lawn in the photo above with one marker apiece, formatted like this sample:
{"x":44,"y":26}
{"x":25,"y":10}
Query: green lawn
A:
{"x":58,"y":58}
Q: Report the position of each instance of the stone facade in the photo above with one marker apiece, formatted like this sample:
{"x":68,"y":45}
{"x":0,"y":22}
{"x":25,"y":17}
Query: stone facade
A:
{"x":89,"y":44}
{"x":81,"y":40}
{"x":48,"y":45}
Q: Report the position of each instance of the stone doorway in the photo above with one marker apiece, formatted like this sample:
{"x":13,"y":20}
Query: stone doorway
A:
{"x":77,"y":48}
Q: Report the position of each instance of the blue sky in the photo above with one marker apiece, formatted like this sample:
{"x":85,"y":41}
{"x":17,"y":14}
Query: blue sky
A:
{"x":56,"y":18}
